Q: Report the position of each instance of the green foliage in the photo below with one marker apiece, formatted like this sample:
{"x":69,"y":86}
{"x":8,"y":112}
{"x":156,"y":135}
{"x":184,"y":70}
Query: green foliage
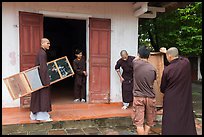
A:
{"x":181,"y":28}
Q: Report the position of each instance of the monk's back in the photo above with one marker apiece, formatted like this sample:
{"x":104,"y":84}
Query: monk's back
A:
{"x":178,"y":110}
{"x":179,"y":74}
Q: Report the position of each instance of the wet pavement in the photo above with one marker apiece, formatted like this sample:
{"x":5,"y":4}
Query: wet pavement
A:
{"x":197,"y":98}
{"x":197,"y":105}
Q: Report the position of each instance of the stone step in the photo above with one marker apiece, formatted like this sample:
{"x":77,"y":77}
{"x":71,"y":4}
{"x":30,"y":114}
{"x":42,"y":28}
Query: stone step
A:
{"x":97,"y":126}
{"x":67,"y":127}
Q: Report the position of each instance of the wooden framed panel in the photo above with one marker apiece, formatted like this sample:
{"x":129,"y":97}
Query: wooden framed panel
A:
{"x":33,"y":78}
{"x":53,"y":72}
{"x":59,"y":69}
{"x":28,"y":81}
{"x":64,"y":67}
{"x":17,"y":85}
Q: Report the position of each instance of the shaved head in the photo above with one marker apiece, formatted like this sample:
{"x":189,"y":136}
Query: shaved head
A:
{"x":45,"y":43}
{"x":43,"y":40}
{"x":173,"y":51}
{"x":123,"y":52}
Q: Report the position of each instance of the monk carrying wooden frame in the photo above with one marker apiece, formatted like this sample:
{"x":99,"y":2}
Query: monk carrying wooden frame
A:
{"x":28,"y":81}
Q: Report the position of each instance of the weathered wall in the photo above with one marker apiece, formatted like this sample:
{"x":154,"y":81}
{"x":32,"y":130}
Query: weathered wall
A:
{"x":124,"y":34}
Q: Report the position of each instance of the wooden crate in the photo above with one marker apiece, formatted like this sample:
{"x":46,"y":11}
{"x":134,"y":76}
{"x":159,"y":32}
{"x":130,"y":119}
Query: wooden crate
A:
{"x":157,"y":60}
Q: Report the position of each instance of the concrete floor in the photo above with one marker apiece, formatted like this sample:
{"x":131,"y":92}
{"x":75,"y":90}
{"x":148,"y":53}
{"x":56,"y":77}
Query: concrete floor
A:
{"x":197,"y":98}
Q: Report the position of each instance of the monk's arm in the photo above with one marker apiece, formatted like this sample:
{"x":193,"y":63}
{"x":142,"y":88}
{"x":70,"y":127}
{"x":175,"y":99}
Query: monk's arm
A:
{"x":119,"y":74}
{"x":117,"y":68}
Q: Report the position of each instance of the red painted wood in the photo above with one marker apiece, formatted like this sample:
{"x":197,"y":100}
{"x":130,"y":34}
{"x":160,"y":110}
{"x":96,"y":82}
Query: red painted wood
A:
{"x":31,"y":32}
{"x":99,"y":82}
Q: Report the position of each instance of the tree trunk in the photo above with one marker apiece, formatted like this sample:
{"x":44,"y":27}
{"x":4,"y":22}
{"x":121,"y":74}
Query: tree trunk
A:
{"x":151,"y":39}
{"x":156,"y":46}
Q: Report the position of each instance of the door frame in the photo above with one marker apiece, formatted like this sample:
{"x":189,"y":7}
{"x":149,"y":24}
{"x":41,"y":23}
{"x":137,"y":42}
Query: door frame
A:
{"x":77,"y":16}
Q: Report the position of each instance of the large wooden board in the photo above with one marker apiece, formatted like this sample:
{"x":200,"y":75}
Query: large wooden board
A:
{"x":157,"y":60}
{"x":28,"y":81}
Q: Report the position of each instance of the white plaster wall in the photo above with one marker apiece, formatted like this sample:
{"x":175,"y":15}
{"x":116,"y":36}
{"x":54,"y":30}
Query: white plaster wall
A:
{"x":10,"y":52}
{"x":199,"y":74}
{"x":124,"y":34}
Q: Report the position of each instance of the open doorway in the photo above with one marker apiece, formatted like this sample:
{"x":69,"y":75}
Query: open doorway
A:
{"x":65,"y":36}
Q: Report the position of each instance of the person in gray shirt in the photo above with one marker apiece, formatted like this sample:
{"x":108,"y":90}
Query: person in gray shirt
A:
{"x":144,"y":101}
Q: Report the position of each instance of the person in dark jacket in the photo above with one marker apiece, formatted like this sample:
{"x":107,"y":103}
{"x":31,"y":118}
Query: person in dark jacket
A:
{"x":178,"y":117}
{"x":41,"y":100}
{"x":79,"y":66}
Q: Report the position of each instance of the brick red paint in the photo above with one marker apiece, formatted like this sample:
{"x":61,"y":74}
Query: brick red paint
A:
{"x":31,"y":31}
{"x":99,"y":82}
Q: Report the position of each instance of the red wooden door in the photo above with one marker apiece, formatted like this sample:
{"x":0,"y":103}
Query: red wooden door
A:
{"x":31,"y":32}
{"x":99,"y":82}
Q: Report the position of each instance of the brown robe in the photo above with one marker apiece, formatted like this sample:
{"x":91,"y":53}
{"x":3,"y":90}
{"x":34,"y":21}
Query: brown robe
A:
{"x":41,"y":100}
{"x":127,"y":84}
{"x":80,"y":79}
{"x":178,"y":116}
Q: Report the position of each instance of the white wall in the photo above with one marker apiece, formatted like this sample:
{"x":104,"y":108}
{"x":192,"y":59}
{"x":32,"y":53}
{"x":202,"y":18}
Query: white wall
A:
{"x":10,"y":52}
{"x":124,"y":34}
{"x":199,"y":74}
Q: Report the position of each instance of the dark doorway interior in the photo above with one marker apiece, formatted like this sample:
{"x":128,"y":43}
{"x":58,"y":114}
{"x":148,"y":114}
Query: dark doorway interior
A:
{"x":65,"y":36}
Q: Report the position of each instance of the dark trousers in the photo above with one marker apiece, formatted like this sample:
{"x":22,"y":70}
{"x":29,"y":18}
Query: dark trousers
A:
{"x":80,"y":91}
{"x":127,"y":87}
